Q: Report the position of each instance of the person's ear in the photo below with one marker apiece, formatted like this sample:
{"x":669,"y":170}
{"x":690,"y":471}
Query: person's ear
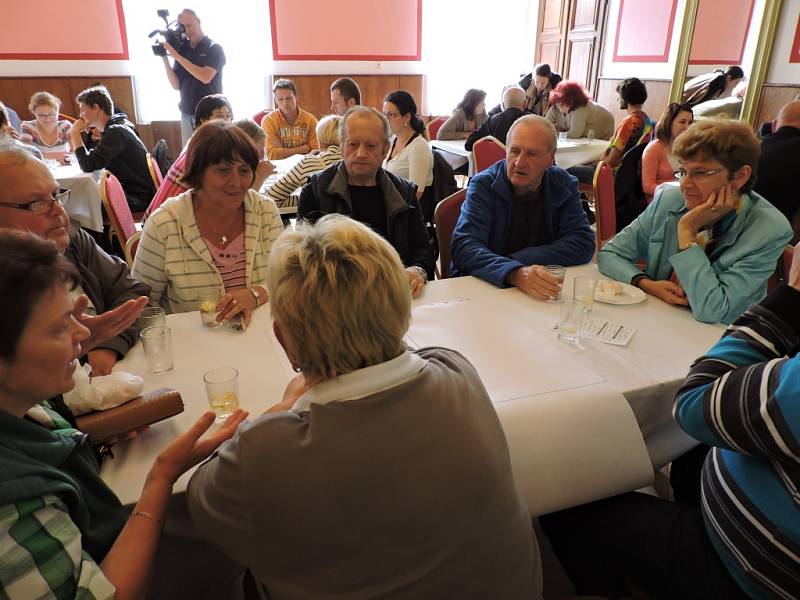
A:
{"x":741,"y":177}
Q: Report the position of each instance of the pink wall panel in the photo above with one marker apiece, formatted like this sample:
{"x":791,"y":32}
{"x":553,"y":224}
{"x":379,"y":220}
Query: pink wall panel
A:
{"x":644,"y":30}
{"x":313,"y":30}
{"x":794,"y":57}
{"x":63,"y":30}
{"x":720,"y":32}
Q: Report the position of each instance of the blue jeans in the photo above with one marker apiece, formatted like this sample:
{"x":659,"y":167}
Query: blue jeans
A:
{"x":187,"y":127}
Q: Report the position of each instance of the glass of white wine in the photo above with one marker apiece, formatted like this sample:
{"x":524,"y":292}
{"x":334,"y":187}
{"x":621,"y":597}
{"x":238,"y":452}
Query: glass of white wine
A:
{"x":222,"y":389}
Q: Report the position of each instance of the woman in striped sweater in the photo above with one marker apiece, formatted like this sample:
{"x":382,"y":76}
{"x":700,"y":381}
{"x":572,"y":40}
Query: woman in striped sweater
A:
{"x":743,"y":539}
{"x":215,"y":237}
{"x":328,"y":137}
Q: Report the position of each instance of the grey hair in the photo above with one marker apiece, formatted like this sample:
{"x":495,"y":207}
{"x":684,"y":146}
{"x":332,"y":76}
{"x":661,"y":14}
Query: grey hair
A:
{"x":514,"y":96}
{"x":253,"y":131}
{"x":536,"y":120}
{"x":361,"y":110}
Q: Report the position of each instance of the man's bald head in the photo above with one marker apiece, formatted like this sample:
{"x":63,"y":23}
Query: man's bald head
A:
{"x":789,"y":115}
{"x":514,"y":97}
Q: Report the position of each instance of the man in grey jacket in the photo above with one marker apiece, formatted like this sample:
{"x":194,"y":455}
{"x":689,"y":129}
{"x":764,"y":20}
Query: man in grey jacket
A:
{"x":31,"y":201}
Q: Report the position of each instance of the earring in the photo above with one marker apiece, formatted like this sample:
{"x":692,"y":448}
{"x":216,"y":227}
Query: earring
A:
{"x":296,"y":369}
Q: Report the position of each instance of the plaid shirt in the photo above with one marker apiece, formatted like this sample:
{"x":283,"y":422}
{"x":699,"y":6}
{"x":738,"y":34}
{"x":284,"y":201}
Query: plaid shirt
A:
{"x":40,"y":546}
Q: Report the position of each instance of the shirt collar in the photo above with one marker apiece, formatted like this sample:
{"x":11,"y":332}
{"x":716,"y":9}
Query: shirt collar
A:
{"x":362,"y":382}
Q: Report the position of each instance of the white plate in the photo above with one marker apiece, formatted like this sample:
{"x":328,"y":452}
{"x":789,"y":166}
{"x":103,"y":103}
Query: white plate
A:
{"x":629,"y":295}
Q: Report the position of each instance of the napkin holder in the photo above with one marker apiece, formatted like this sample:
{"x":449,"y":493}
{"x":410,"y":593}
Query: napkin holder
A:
{"x":152,"y":407}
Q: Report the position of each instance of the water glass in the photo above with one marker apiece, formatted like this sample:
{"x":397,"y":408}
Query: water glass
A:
{"x":583,"y":292}
{"x":157,"y":343}
{"x":562,"y":135}
{"x":559,"y":273}
{"x":570,"y":320}
{"x":222,"y":389}
{"x":590,"y":134}
{"x":152,"y":316}
{"x":207,"y":305}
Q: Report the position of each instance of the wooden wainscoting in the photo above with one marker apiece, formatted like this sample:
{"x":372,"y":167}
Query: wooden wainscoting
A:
{"x":773,"y":97}
{"x":314,"y":90}
{"x":16,"y":92}
{"x":657,"y":97}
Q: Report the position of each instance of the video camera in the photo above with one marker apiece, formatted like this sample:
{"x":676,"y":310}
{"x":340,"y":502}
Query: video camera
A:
{"x":173,"y":34}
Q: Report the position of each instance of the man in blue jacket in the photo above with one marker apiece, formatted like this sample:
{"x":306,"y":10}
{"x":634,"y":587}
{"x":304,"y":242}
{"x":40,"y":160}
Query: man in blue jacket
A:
{"x":521,"y":214}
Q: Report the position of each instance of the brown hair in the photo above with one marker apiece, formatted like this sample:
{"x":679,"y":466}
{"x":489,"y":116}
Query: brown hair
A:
{"x":41,"y":99}
{"x":664,"y":125}
{"x":214,"y":142}
{"x":97,"y":96}
{"x":732,"y":143}
{"x":29,"y":267}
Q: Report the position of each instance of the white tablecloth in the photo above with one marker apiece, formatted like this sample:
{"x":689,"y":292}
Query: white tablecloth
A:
{"x":283,"y":166}
{"x":570,"y":414}
{"x":84,"y":206}
{"x":568,"y":152}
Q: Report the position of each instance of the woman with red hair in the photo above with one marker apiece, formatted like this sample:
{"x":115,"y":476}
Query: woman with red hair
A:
{"x":572,"y":110}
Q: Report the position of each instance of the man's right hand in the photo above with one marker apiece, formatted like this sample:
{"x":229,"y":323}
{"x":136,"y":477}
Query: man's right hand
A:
{"x":669,"y":292}
{"x":535,"y":281}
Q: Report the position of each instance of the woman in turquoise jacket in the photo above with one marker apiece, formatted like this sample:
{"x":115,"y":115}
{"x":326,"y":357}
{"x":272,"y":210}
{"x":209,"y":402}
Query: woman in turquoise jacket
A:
{"x":712,"y":243}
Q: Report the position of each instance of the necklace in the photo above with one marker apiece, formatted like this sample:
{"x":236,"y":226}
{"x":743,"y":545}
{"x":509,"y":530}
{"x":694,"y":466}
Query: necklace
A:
{"x":223,"y":237}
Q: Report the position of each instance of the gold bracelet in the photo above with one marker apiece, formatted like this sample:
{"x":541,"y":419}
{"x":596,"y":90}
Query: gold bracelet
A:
{"x":142,"y":513}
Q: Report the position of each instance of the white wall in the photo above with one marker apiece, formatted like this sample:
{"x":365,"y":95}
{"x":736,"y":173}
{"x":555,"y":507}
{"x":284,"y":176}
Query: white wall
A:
{"x":781,"y":70}
{"x":649,"y":70}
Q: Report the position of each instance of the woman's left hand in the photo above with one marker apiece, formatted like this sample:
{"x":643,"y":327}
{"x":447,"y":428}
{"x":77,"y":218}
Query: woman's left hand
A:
{"x":237,"y":302}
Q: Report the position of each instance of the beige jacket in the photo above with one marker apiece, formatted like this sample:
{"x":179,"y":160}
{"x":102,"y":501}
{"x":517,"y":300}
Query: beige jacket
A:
{"x":175,"y":262}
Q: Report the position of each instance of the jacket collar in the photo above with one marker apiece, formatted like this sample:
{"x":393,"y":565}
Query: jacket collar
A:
{"x":552,"y":192}
{"x":394,"y":201}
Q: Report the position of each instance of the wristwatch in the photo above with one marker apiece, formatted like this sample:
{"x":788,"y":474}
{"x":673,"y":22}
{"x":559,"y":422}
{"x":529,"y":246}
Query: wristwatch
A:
{"x":256,"y":295}
{"x":422,"y":272}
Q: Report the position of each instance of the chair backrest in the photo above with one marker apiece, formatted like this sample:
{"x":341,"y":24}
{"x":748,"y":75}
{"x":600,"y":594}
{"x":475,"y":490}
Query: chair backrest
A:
{"x":116,"y":205}
{"x":260,"y":115}
{"x":434,"y":126}
{"x":445,"y":217}
{"x":487,"y":151}
{"x":155,"y":172}
{"x":161,"y":155}
{"x":783,"y":268}
{"x":628,"y":192}
{"x":131,"y":247}
{"x":605,"y":209}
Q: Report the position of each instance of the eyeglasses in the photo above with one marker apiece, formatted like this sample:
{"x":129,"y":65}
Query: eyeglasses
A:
{"x":40,"y":207}
{"x":391,"y":115}
{"x":46,"y":116}
{"x":696,"y":174}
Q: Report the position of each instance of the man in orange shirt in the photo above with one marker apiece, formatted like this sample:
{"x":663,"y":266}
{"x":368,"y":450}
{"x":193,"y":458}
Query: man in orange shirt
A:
{"x":290,"y":130}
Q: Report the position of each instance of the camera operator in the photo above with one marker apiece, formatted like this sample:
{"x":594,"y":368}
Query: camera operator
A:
{"x":197,"y":68}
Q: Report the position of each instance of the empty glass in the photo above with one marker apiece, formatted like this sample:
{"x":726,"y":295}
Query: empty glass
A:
{"x":157,"y":343}
{"x":570,"y":320}
{"x":562,"y":135}
{"x":222,"y":389}
{"x":559,"y":273}
{"x":583,"y":292}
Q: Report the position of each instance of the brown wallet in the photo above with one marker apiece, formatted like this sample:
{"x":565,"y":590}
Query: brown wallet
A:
{"x":155,"y":406}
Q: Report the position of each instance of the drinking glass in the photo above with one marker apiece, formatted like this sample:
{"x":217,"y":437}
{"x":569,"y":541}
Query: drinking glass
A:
{"x":222,"y":389}
{"x":558,"y":272}
{"x":590,"y":134}
{"x":570,"y":320}
{"x":207,"y":305}
{"x":157,"y":343}
{"x":583,"y":292}
{"x":562,"y":135}
{"x":152,"y":316}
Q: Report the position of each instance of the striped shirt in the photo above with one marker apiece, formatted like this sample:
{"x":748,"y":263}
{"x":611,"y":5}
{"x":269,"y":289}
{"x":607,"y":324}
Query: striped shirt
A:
{"x":743,"y":398}
{"x":28,"y":134}
{"x":230,"y":262}
{"x":281,"y":190}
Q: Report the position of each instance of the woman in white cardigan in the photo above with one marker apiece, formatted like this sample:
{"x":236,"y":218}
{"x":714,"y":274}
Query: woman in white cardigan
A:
{"x":410,"y":156}
{"x":217,"y":236}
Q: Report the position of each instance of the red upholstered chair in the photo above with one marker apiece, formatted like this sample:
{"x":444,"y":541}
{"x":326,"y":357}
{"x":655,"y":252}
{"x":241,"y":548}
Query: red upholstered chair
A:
{"x":260,"y":115}
{"x":155,"y":171}
{"x":118,"y":211}
{"x":445,"y":218}
{"x":605,"y":206}
{"x":487,"y":151}
{"x":434,"y":126}
{"x":783,"y":269}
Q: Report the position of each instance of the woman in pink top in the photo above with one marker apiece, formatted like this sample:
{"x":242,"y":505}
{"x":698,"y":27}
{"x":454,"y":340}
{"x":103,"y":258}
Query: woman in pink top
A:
{"x":658,"y":163}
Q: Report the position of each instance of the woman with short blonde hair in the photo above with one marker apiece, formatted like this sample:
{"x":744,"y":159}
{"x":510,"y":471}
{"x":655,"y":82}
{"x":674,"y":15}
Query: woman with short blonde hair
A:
{"x":372,"y":447}
{"x":46,"y":132}
{"x":330,"y":153}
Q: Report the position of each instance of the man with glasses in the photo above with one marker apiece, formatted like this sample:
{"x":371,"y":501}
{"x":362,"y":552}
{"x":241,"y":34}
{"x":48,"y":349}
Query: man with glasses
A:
{"x":712,"y":243}
{"x":30,"y":200}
